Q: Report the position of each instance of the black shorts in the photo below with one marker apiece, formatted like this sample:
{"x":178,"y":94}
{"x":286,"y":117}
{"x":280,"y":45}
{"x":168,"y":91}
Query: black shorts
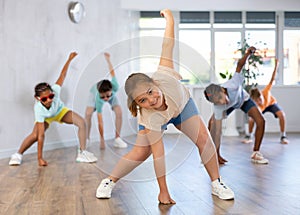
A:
{"x":247,"y":105}
{"x":274,"y":108}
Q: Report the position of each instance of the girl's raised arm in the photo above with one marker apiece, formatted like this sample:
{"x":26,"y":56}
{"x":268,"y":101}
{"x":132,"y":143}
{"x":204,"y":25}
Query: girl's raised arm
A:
{"x":64,"y":70}
{"x":166,"y":58}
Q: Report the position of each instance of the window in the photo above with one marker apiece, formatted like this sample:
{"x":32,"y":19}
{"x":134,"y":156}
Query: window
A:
{"x":209,"y":40}
{"x":292,"y":19}
{"x":152,"y":27}
{"x":291,"y":48}
{"x":291,"y":57}
{"x":226,"y":55}
{"x":227,"y":19}
{"x":264,"y":41}
{"x":194,"y":47}
{"x":194,"y":55}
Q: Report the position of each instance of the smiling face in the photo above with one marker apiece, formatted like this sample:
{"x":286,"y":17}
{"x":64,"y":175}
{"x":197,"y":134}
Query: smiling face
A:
{"x":46,"y":98}
{"x":149,"y":96}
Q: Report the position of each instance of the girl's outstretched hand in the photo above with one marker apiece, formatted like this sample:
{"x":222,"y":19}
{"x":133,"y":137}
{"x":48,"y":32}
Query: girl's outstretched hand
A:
{"x":106,"y":55}
{"x":166,"y":13}
{"x":72,"y":55}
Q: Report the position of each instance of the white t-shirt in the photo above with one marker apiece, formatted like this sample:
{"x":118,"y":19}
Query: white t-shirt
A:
{"x":236,"y":94}
{"x":176,"y":97}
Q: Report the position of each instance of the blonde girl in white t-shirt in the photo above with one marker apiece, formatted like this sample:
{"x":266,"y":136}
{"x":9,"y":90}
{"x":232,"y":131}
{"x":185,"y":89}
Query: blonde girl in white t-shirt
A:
{"x":158,"y":101}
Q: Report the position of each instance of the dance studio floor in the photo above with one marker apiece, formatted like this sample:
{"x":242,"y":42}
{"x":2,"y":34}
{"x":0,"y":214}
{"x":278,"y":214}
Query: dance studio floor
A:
{"x":66,"y":187}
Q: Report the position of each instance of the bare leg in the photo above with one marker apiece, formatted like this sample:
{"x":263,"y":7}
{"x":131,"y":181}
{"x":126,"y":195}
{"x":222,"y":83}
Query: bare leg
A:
{"x":281,"y":116}
{"x":137,"y":155}
{"x":251,"y":125}
{"x":118,"y":112}
{"x":30,"y":139}
{"x":201,"y":137}
{"x":259,"y":120}
{"x":73,"y":118}
{"x":88,"y":119}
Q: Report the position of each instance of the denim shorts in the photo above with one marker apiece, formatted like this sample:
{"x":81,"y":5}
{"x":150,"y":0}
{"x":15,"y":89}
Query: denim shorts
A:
{"x":273,"y":109}
{"x":188,"y":111}
{"x":247,"y":105}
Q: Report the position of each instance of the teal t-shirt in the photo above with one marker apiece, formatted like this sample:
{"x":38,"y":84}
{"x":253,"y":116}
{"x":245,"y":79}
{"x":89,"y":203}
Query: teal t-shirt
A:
{"x":100,"y":102}
{"x":41,"y":112}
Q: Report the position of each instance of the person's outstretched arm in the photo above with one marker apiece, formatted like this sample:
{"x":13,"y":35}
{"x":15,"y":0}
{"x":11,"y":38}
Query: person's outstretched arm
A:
{"x":274,"y":72}
{"x":166,"y":58}
{"x":243,"y":60}
{"x":64,"y":70}
{"x":110,"y":66}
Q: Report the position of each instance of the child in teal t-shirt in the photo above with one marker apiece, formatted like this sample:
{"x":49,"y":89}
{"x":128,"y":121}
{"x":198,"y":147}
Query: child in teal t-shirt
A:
{"x":101,"y":92}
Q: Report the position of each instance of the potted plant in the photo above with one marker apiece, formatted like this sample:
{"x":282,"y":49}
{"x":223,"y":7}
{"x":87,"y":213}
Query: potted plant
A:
{"x":250,"y":70}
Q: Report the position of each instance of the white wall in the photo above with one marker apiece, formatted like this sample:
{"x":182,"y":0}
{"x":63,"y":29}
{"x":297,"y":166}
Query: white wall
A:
{"x":214,"y":5}
{"x":35,"y":40}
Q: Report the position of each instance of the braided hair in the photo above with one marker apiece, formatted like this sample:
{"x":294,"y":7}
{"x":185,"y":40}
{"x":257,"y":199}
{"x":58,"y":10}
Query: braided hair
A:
{"x":41,"y":87}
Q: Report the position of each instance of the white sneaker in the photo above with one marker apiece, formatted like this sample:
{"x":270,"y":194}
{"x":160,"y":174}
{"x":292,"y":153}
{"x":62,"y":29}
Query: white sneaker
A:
{"x":119,"y":143}
{"x":258,"y":158}
{"x":220,"y":189}
{"x":15,"y":159}
{"x":86,"y":157}
{"x":105,"y":188}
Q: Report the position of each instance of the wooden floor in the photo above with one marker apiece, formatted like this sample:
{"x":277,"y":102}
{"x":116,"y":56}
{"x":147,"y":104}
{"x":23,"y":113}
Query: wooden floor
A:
{"x":66,"y":187}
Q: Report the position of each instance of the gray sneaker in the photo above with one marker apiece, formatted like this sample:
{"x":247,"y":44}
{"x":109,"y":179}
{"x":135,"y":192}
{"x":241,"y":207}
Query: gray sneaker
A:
{"x":105,"y":188}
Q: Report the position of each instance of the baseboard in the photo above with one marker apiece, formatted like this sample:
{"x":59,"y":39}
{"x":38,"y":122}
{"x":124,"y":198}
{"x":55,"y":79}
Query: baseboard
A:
{"x":48,"y":146}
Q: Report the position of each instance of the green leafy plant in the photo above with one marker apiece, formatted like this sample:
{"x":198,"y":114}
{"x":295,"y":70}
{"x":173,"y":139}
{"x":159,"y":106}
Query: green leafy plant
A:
{"x":251,"y":69}
{"x":226,"y":75}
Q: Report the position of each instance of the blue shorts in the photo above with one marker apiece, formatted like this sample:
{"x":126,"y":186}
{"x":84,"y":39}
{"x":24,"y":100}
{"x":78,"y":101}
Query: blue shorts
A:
{"x":188,"y":111}
{"x":273,"y":109}
{"x":247,"y":105}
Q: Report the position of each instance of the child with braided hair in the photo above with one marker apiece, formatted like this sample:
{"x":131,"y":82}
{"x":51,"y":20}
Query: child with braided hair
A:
{"x":47,"y":109}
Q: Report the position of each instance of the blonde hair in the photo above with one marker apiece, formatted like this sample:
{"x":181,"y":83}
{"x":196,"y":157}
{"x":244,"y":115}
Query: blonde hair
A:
{"x":255,"y":93}
{"x":131,"y":84}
